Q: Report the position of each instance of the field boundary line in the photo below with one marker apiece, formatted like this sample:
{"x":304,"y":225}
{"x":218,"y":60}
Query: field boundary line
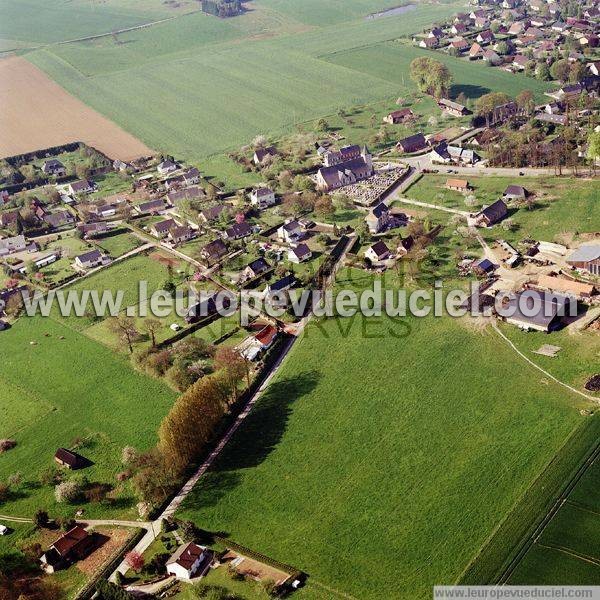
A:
{"x":582,"y":507}
{"x":565,"y":550}
{"x":331,"y":590}
{"x":533,"y":364}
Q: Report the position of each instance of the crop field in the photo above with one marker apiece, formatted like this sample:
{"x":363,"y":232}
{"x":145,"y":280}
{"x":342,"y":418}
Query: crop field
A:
{"x":391,"y":61}
{"x":568,"y":551}
{"x":201,"y":75}
{"x":81,"y":389}
{"x":343,"y":463}
{"x":33,"y":22}
{"x":38,"y":113}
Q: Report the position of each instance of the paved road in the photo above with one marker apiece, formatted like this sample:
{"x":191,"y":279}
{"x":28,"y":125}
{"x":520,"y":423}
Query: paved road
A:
{"x":424,"y":162}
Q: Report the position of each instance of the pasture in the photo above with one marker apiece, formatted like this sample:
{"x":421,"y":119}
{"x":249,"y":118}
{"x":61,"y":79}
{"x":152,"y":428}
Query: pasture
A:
{"x":64,"y":387}
{"x":380,"y":439}
{"x":201,"y":75}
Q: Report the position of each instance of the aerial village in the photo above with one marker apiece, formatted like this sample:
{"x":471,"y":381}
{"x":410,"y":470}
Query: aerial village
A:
{"x":70,"y":212}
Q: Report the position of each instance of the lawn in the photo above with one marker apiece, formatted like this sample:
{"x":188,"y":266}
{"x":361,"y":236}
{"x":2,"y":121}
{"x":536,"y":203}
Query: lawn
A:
{"x":74,"y":388}
{"x":118,"y":243}
{"x":410,"y":439}
{"x":568,"y":551}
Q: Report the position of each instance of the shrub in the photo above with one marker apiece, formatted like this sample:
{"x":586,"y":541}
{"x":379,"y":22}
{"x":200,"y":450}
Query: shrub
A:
{"x":68,"y":491}
{"x":6,"y":445}
{"x":40,"y":518}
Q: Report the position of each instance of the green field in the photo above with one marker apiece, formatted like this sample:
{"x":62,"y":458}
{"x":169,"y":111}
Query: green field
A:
{"x":562,"y":205}
{"x":370,"y":446}
{"x":33,"y":22}
{"x":64,"y":387}
{"x":568,"y":551}
{"x":202,"y":74}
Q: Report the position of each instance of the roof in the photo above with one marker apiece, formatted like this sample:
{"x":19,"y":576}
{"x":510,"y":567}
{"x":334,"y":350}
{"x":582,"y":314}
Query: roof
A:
{"x":152,"y":205}
{"x":413,"y":142}
{"x":164,"y":226}
{"x":549,"y":307}
{"x":212,"y":213}
{"x":301,"y":251}
{"x":89,"y":256}
{"x":495,"y":212}
{"x":485,"y":264}
{"x":515,"y":190}
{"x":266,"y":335}
{"x":80,"y":185}
{"x":380,"y":210}
{"x":259,"y":265}
{"x":379,"y":248}
{"x":585,"y":253}
{"x":283,"y":283}
{"x":186,"y":555}
{"x":262,"y":153}
{"x":67,"y":542}
{"x":215,"y":248}
{"x":181,"y":231}
{"x":291,"y":225}
{"x":239,"y":230}
{"x":560,"y":284}
{"x":451,"y":104}
{"x":459,"y":183}
{"x":263,"y":191}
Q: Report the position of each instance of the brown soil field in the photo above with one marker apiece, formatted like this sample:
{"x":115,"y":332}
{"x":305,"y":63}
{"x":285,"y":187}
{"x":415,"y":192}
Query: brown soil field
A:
{"x":36,"y":113}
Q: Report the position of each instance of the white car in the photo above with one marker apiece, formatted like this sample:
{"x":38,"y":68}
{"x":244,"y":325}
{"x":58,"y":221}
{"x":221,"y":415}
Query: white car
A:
{"x":175,"y":327}
{"x":3,"y":530}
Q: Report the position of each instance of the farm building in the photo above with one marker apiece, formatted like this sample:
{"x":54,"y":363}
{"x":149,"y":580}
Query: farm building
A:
{"x":453,"y":108}
{"x":69,"y":459}
{"x":399,"y":116}
{"x":412,"y":143}
{"x":515,"y":192}
{"x":74,"y":545}
{"x":489,"y":215}
{"x":587,"y":258}
{"x":459,"y":185}
{"x":583,"y":291}
{"x":538,"y":311}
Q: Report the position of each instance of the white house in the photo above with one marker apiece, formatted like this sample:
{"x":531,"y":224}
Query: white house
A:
{"x":262,"y":197}
{"x":90,"y":260}
{"x":299,"y":254}
{"x":166,"y":166}
{"x":189,"y":560}
{"x":290,"y":231}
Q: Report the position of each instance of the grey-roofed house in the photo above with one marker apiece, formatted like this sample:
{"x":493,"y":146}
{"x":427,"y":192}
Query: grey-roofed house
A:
{"x":238,"y":231}
{"x":263,"y":154}
{"x":445,"y":153}
{"x":515,"y":192}
{"x":214,"y":251}
{"x":378,"y":252}
{"x":212,"y":213}
{"x":59,"y":219}
{"x":299,"y":253}
{"x":262,"y":197}
{"x":536,"y":310}
{"x":54,"y":167}
{"x":181,"y":234}
{"x":290,"y":232}
{"x":587,"y":258}
{"x":162,"y":228}
{"x":91,"y":260}
{"x":254,"y":269}
{"x":82,"y":186}
{"x":153,"y":207}
{"x":378,"y":219}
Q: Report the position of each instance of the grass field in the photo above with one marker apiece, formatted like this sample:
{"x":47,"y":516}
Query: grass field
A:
{"x":61,"y":389}
{"x":562,"y":205}
{"x":421,"y":463}
{"x":224,"y":63}
{"x":568,"y":551}
{"x":32,"y":22}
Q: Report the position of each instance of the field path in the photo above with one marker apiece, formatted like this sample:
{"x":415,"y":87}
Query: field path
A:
{"x":37,"y":113}
{"x":549,"y":375}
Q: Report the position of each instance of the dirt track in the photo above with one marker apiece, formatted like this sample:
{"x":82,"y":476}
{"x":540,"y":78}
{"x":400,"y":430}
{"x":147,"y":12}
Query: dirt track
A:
{"x":35,"y":113}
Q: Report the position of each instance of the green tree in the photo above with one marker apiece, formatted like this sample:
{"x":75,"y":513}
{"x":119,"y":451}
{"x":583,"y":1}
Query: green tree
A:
{"x":561,"y":70}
